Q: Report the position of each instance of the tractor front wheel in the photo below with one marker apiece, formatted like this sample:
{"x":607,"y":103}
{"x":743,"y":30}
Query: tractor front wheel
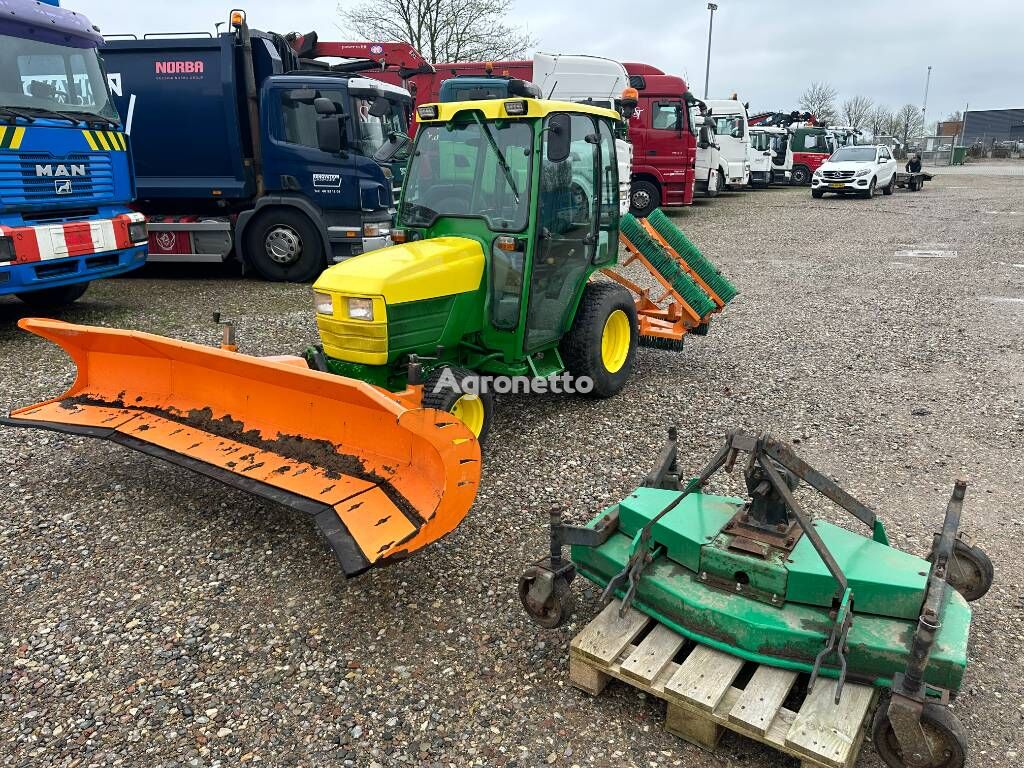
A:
{"x":601,"y":345}
{"x":946,"y":739}
{"x":445,"y":389}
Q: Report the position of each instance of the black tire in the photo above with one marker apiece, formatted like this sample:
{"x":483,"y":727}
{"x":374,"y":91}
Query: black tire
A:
{"x":556,"y":610}
{"x":945,"y":735}
{"x":437,"y":395}
{"x":283,"y":245}
{"x":800,"y":176}
{"x":868,"y":193}
{"x":889,"y":188}
{"x":644,"y":197}
{"x":971,"y":572}
{"x":54,"y":298}
{"x":817,"y":193}
{"x":581,"y":347}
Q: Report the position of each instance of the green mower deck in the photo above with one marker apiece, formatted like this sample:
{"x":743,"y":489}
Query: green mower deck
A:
{"x":759,"y":579}
{"x":745,"y":621}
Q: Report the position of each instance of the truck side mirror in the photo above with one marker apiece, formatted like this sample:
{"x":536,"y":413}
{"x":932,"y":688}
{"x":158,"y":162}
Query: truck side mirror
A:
{"x":324,"y":106}
{"x":330,"y":135}
{"x":380,"y":107}
{"x":559,"y":137}
{"x":705,"y":136}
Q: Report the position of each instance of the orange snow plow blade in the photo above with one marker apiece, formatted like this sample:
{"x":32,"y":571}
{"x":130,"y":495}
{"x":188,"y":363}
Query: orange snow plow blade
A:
{"x":380,"y":479}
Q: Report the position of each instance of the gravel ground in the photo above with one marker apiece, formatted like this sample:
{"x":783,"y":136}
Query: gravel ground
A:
{"x":152,"y":617}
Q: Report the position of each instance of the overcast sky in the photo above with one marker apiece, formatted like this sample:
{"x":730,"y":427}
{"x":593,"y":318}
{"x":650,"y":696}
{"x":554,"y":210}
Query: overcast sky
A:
{"x":766,"y":52}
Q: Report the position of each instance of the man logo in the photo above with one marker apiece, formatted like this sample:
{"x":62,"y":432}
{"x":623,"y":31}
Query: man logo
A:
{"x":62,"y":187}
{"x":75,"y":169}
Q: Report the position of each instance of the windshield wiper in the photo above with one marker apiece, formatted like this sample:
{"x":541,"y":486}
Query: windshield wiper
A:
{"x":501,"y":157}
{"x":44,"y":112}
{"x":89,"y":117}
{"x":15,"y":113}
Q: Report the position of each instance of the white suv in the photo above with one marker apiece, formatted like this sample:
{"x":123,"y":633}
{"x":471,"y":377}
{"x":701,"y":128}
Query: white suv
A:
{"x":859,"y":169}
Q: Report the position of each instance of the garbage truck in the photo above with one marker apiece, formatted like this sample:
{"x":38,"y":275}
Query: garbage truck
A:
{"x":245,"y":152}
{"x":65,"y":162}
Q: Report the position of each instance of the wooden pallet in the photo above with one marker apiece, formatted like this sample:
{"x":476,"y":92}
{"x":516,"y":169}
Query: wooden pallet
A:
{"x":699,"y":685}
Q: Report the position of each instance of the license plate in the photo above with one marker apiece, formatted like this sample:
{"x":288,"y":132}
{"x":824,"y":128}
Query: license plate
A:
{"x":837,"y":186}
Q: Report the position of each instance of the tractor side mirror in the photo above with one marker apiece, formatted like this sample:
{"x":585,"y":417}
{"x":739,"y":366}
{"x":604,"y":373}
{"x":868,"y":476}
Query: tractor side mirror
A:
{"x":330,"y":134}
{"x":559,"y":137}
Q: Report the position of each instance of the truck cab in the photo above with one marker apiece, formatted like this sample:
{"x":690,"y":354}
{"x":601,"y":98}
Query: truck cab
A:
{"x":65,"y":162}
{"x":664,"y":141}
{"x":768,"y":145}
{"x":245,"y":151}
{"x":732,"y":130}
{"x":808,"y":148}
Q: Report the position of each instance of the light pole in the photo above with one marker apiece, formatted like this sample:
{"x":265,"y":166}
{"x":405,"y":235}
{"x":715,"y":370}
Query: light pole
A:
{"x":711,"y":25}
{"x":924,"y":106}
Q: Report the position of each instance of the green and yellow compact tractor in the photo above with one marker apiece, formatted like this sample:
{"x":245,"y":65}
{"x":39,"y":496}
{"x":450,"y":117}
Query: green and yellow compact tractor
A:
{"x":510,"y":207}
{"x":759,"y":579}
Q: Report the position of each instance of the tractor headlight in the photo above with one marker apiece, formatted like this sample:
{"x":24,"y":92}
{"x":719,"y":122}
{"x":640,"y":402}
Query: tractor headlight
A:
{"x":862,"y":172}
{"x":360,"y":309}
{"x":323,"y":302}
{"x":137,"y":232}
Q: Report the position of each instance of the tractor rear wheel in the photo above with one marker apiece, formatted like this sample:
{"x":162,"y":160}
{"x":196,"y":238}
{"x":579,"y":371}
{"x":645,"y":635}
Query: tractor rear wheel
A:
{"x":601,"y":344}
{"x":945,"y":736}
{"x":474,"y":410}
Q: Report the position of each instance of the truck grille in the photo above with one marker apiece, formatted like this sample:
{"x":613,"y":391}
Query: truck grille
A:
{"x":20,"y":184}
{"x":838,"y":175}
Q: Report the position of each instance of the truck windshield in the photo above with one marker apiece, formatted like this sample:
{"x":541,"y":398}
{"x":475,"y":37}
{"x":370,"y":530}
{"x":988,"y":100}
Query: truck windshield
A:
{"x":378,"y":118}
{"x":460,"y":170}
{"x":854,"y":154}
{"x":39,"y":78}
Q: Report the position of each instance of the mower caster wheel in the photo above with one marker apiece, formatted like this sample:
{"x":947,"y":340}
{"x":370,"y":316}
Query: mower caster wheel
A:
{"x":970,"y":571}
{"x":945,"y":736}
{"x":549,"y":611}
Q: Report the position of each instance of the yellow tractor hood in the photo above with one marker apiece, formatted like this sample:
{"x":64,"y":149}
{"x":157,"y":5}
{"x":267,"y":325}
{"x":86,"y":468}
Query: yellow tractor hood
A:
{"x":424,"y":269}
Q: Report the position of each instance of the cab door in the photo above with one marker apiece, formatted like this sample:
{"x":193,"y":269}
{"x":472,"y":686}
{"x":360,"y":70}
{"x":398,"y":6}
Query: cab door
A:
{"x":292,"y":159}
{"x":566,"y":233}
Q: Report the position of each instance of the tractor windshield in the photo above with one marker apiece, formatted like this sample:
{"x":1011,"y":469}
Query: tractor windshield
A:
{"x":479,"y":169}
{"x":43,"y":79}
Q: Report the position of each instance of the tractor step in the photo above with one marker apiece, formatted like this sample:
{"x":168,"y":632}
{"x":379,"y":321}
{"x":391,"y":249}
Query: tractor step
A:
{"x":680,"y":244}
{"x":707,"y":691}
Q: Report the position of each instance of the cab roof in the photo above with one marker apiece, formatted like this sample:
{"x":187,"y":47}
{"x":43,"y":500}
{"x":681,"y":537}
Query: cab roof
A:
{"x":494,"y":109}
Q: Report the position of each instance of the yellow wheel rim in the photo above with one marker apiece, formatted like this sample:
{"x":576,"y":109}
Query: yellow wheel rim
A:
{"x":615,"y":341}
{"x":469,"y":409}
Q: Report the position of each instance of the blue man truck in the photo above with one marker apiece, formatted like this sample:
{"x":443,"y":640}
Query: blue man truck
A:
{"x":65,"y":163}
{"x":243,"y":150}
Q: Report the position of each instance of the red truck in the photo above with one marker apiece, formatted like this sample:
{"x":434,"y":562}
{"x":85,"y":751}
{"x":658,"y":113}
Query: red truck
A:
{"x":664,"y":144}
{"x":808,"y":146}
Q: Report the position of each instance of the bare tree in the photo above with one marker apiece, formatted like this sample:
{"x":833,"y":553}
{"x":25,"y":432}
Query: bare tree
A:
{"x":820,"y":100}
{"x":909,"y":122}
{"x":879,"y":121}
{"x":442,"y":30}
{"x":857,"y":111}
